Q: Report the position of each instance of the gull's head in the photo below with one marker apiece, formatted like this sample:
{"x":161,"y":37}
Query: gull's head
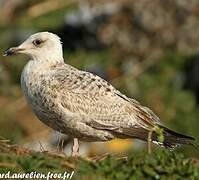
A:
{"x":42,"y":46}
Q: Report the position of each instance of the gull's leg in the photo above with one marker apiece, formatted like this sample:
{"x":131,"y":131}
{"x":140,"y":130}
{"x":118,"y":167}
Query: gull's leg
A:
{"x":75,"y":148}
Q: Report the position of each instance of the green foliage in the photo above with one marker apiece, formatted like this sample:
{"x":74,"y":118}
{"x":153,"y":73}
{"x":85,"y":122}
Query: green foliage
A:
{"x":39,"y":162}
{"x":159,"y":132}
{"x":159,"y":165}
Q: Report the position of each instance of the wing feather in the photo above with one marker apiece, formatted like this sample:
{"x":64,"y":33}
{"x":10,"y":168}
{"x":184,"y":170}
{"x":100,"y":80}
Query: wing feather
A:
{"x":98,"y":102}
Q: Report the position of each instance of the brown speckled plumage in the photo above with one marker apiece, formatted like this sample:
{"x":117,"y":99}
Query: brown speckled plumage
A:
{"x":74,"y":102}
{"x":78,"y":103}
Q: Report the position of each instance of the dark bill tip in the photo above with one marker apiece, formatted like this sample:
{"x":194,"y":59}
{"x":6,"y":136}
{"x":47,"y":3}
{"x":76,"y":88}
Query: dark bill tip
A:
{"x":9,"y":52}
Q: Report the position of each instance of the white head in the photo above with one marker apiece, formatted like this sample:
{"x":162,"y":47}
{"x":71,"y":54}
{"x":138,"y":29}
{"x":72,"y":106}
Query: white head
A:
{"x":42,"y":46}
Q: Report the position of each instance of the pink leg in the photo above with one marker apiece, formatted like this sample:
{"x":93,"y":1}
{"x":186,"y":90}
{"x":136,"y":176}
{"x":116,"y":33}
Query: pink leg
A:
{"x":75,"y":148}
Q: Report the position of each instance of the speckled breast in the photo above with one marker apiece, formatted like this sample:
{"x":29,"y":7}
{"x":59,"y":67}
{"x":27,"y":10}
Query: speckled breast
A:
{"x":41,"y":98}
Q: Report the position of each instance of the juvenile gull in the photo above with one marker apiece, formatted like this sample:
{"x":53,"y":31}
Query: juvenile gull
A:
{"x":81,"y":104}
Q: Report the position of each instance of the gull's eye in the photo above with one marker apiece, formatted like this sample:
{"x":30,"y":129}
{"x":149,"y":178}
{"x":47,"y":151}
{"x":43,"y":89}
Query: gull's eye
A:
{"x":37,"y":42}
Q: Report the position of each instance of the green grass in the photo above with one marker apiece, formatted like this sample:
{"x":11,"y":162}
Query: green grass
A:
{"x":159,"y":165}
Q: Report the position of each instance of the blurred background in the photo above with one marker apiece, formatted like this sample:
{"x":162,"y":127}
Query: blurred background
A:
{"x":148,"y":49}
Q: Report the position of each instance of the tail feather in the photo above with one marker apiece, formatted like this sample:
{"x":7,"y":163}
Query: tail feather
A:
{"x":172,"y":139}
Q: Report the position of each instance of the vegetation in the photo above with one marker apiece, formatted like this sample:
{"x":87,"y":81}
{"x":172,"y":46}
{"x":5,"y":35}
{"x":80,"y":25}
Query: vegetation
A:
{"x":161,"y":164}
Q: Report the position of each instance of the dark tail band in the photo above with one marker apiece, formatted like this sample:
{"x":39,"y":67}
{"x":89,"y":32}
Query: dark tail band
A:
{"x":172,"y":139}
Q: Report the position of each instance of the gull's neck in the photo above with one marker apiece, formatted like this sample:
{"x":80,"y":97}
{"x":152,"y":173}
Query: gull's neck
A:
{"x":49,"y":56}
{"x":48,"y":60}
{"x":40,"y":66}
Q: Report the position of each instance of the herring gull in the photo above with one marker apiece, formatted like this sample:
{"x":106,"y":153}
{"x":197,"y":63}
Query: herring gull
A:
{"x":81,"y":104}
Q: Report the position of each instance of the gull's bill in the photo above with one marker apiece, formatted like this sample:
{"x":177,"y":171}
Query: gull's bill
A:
{"x":12,"y":51}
